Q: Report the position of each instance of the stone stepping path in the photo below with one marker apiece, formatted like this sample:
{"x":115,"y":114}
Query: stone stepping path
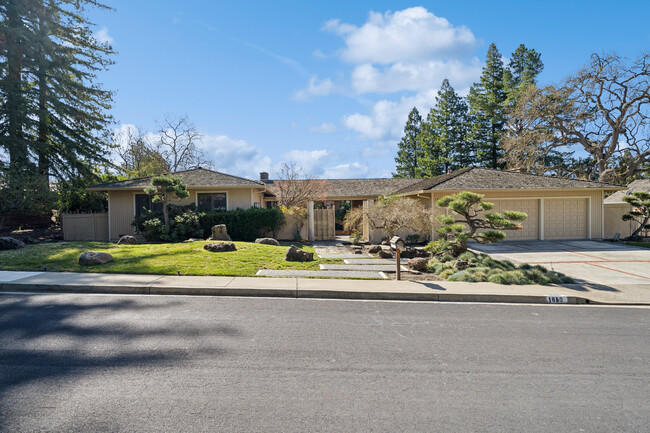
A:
{"x":321,"y":274}
{"x":357,"y":261}
{"x":344,"y":256}
{"x":369,"y":267}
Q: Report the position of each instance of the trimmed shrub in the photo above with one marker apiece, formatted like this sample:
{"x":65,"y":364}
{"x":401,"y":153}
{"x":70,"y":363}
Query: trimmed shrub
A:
{"x":467,"y":256}
{"x":243,"y":224}
{"x":466,"y":276}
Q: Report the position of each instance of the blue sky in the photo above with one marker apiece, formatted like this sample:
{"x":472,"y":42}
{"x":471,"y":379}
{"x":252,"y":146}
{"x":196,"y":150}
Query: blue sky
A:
{"x":329,"y":84}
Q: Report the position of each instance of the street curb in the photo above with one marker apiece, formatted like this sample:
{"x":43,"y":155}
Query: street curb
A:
{"x":152,"y":289}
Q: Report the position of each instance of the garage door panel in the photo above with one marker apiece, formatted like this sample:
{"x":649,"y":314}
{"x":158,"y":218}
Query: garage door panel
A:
{"x":530,"y":230}
{"x":565,"y":218}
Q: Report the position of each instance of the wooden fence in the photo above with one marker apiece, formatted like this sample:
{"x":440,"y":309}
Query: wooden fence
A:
{"x":85,"y":226}
{"x":324,"y":225}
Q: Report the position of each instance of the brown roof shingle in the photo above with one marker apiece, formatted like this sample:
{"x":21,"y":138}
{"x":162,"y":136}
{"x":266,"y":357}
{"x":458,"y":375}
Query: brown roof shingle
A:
{"x":478,"y":178}
{"x":198,"y":177}
{"x":341,"y":188}
{"x":637,"y":185}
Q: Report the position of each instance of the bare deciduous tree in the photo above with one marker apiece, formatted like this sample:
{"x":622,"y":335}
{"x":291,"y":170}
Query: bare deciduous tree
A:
{"x":295,"y":187}
{"x":604,"y":108}
{"x":390,"y":214}
{"x":179,"y":141}
{"x":138,"y":156}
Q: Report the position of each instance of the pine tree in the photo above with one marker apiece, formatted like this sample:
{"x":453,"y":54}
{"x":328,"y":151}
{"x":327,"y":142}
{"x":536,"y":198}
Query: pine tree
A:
{"x":487,"y":103}
{"x":409,"y":153}
{"x":525,"y":65}
{"x":444,"y":134}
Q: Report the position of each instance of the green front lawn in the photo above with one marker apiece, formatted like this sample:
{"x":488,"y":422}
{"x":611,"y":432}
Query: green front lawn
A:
{"x":167,"y":259}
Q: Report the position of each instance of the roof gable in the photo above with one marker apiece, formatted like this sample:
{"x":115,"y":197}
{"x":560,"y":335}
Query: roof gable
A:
{"x":198,"y":177}
{"x":637,"y":185}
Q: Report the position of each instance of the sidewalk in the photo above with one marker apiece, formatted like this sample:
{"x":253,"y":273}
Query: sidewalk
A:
{"x":317,"y":288}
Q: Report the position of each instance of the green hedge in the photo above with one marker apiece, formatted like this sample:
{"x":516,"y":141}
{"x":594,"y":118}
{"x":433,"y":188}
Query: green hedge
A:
{"x":243,"y":225}
{"x":185,"y":222}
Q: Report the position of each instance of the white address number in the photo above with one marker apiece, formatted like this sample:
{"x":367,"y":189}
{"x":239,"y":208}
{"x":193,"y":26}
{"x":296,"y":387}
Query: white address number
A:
{"x":557,"y":299}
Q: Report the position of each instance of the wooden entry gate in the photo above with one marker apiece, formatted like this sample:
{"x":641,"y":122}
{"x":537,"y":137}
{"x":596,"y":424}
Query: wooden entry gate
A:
{"x":324,"y":225}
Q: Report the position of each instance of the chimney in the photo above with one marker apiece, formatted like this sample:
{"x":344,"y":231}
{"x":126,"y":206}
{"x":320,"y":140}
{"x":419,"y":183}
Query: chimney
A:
{"x":264,"y":177}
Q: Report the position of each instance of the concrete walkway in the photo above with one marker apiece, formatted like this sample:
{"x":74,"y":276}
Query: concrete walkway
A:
{"x":315,"y":288}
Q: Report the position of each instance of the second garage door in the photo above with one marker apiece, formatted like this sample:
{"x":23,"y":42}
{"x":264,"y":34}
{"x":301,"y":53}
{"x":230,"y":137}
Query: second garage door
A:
{"x":565,"y":218}
{"x":530,"y":230}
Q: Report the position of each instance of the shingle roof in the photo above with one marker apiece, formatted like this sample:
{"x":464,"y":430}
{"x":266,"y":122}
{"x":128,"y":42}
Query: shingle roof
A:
{"x":478,"y":178}
{"x":637,"y":185}
{"x":198,"y":177}
{"x":334,"y":188}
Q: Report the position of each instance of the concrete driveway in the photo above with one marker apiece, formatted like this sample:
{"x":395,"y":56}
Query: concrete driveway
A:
{"x":603,"y":263}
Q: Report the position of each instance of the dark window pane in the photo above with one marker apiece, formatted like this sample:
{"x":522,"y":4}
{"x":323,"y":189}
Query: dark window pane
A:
{"x":157,"y":207}
{"x":212,"y":201}
{"x":142,"y":204}
{"x":205,"y":203}
{"x":219,"y":201}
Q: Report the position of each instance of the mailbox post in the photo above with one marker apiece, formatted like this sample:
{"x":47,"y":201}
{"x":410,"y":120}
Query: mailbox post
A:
{"x":398,"y":244}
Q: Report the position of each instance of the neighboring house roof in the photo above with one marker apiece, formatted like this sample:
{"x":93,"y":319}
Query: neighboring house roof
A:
{"x":349,"y":188}
{"x":198,"y":177}
{"x":637,"y":185}
{"x":479,"y":178}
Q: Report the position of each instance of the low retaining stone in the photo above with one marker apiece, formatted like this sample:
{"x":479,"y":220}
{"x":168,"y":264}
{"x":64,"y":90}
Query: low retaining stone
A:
{"x":220,"y":247}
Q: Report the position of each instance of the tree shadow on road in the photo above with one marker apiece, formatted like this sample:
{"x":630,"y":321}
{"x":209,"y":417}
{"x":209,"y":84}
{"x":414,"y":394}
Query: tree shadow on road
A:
{"x":53,"y":337}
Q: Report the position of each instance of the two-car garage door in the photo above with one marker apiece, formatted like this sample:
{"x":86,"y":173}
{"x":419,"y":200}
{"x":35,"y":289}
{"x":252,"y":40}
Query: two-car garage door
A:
{"x":564,"y":218}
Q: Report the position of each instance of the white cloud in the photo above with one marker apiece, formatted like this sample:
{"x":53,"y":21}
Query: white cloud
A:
{"x":315,"y":88}
{"x":346,"y":171}
{"x":418,"y":76}
{"x":102,"y":36}
{"x":319,"y":54}
{"x":235,"y":156}
{"x":387,"y":118}
{"x":311,"y":161}
{"x":410,"y":34}
{"x":323,"y":128}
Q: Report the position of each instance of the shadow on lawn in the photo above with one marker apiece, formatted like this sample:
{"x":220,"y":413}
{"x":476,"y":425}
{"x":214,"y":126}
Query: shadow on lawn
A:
{"x":46,"y":337}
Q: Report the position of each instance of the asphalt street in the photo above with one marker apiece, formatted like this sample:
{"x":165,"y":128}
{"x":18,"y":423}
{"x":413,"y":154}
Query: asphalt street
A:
{"x":108,"y":363}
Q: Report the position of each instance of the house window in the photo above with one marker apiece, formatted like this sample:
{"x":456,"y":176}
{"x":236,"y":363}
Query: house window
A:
{"x":212,"y":201}
{"x":271,"y":204}
{"x":143,"y":203}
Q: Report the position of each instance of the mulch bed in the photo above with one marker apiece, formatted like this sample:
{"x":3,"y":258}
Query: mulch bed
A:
{"x":50,"y":234}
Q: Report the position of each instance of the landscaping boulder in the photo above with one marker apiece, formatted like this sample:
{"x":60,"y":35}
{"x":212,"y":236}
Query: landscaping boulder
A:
{"x":220,"y":247}
{"x":7,"y":243}
{"x":91,"y":258}
{"x":374,"y":249}
{"x":127,"y":240}
{"x":295,"y":254}
{"x":356,"y":249}
{"x":418,"y":264}
{"x":267,"y":241}
{"x":385,"y":253}
{"x":219,"y":233}
{"x":410,"y":253}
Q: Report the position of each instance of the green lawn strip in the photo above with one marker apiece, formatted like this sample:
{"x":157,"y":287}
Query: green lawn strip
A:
{"x":164,"y":259}
{"x":638,"y":244}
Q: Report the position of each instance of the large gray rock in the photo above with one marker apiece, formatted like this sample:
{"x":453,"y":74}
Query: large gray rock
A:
{"x":127,"y":240}
{"x":295,"y":254}
{"x":220,"y":247}
{"x":267,"y":241}
{"x":356,"y":249}
{"x":219,"y":233}
{"x":374,"y":249}
{"x":91,"y":258}
{"x":418,"y":264}
{"x":410,"y":253}
{"x":7,"y":243}
{"x":385,"y":252}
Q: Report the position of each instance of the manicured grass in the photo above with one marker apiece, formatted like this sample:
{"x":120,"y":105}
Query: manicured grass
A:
{"x":638,"y":244}
{"x":165,"y":259}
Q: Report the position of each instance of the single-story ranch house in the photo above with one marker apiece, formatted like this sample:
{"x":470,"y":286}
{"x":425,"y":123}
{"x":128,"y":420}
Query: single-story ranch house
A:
{"x":615,"y":208}
{"x":557,"y":208}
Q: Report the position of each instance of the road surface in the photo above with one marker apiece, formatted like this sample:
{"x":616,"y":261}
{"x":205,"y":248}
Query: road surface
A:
{"x":105,"y":363}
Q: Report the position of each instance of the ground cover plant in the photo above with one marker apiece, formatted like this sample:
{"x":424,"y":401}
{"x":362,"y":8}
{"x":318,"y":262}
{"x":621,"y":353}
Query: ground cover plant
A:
{"x":470,"y":267}
{"x":188,"y":258}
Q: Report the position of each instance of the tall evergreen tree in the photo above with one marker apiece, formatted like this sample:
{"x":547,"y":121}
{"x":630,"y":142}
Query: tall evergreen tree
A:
{"x":444,"y":134}
{"x":53,"y":119}
{"x":525,"y":65}
{"x":487,"y":103}
{"x":409,"y":153}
